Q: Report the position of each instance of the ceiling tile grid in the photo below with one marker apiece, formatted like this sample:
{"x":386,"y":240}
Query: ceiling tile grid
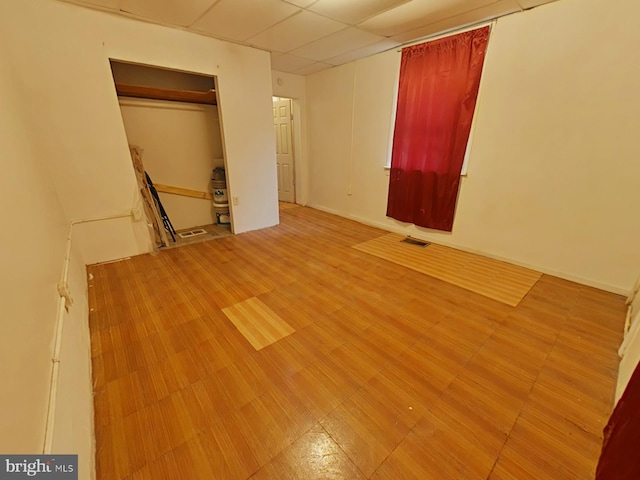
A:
{"x":417,"y":13}
{"x":298,"y":30}
{"x":350,"y":56}
{"x":307,"y":36}
{"x":241,"y":19}
{"x":353,"y":11}
{"x":171,"y":12}
{"x":336,"y":44}
{"x":484,"y":13}
{"x":284,"y":62}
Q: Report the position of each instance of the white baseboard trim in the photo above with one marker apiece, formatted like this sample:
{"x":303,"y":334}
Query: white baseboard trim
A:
{"x":548,"y":271}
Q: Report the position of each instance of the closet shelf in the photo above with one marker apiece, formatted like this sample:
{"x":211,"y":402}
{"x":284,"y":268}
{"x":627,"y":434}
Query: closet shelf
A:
{"x":139,"y":91}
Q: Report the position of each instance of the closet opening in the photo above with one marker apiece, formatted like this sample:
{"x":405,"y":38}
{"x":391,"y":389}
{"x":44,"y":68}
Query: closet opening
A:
{"x":172,"y":123}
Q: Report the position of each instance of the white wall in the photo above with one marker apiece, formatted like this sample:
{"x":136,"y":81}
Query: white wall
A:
{"x":629,"y":361}
{"x":73,"y":428}
{"x":182,"y":145}
{"x":31,"y":254}
{"x":61,"y":55}
{"x":293,"y":86}
{"x":630,"y":348}
{"x":553,"y":174}
{"x":65,"y":156}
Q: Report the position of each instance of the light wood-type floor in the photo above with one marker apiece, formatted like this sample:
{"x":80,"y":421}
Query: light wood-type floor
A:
{"x":286,"y":206}
{"x":213,"y":231}
{"x":388,"y":374}
{"x":501,"y":281}
{"x":257,"y":322}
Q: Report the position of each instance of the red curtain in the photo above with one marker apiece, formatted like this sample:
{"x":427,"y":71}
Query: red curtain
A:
{"x":619,"y":456}
{"x":437,"y":94}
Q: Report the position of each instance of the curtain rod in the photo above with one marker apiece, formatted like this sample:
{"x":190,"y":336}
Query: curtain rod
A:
{"x":471,"y":26}
{"x":447,"y":33}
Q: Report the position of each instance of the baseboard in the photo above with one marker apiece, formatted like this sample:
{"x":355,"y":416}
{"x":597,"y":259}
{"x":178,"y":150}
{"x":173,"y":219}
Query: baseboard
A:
{"x":548,"y":271}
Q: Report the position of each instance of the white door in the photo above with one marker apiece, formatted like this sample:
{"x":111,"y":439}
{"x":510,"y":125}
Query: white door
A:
{"x":284,"y":148}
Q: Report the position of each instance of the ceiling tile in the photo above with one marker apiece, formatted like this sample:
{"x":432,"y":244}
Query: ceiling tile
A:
{"x":284,"y":62}
{"x":173,"y":12}
{"x":295,"y":31}
{"x":533,"y":3}
{"x":353,"y":11}
{"x":336,"y":44}
{"x":314,"y":68}
{"x":301,"y":3}
{"x":325,"y":32}
{"x":489,"y":12}
{"x":241,"y":19}
{"x":111,"y":4}
{"x":377,"y":47}
{"x":418,"y":13}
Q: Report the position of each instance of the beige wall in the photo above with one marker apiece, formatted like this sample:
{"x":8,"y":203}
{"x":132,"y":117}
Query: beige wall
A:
{"x":182,"y":145}
{"x":629,"y":361}
{"x":630,"y":348}
{"x":32,"y":255}
{"x":65,"y":156}
{"x":553,"y":174}
{"x":61,"y":55}
{"x":73,"y":428}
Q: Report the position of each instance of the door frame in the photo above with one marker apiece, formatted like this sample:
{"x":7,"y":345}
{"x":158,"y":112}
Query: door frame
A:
{"x":296,"y":146}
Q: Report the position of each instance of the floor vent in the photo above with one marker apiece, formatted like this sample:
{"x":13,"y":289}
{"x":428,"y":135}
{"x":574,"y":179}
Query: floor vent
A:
{"x":416,"y":242}
{"x":192,"y":233}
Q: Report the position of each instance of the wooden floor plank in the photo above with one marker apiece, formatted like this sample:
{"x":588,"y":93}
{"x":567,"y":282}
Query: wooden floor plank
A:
{"x":498,"y":280}
{"x":257,"y":322}
{"x":287,"y":353}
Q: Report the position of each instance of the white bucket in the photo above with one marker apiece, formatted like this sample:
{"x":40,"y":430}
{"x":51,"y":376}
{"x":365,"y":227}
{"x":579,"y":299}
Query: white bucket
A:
{"x":220,"y":195}
{"x":223,"y":217}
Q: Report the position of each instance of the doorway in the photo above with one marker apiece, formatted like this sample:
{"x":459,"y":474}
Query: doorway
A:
{"x":172,"y":123}
{"x":285,"y":151}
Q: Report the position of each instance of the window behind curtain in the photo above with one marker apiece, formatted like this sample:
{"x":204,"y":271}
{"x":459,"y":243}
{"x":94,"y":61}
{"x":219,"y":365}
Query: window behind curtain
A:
{"x":437,"y":94}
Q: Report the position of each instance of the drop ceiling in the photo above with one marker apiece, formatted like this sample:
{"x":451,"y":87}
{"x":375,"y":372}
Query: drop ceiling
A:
{"x":307,"y":36}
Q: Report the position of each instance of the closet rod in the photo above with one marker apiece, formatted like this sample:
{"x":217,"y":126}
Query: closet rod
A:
{"x":154,"y":93}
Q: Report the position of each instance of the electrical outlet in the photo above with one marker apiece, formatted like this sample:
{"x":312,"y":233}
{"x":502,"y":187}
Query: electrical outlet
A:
{"x":235,"y":201}
{"x":137,"y":214}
